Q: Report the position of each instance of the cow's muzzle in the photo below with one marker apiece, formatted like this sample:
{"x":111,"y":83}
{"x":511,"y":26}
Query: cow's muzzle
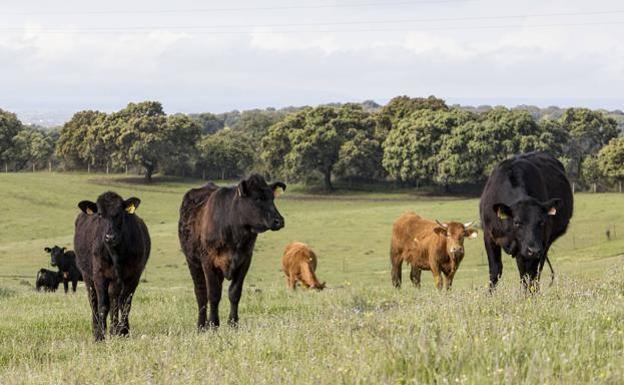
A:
{"x":277,"y":223}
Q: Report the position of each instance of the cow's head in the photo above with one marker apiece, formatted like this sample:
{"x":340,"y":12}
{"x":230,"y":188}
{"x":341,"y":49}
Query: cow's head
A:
{"x":113,"y":211}
{"x":455,"y":232}
{"x":527,"y":225}
{"x":56,"y":255}
{"x":257,"y":206}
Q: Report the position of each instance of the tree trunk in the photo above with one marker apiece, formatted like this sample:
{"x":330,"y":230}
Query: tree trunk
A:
{"x":33,"y":166}
{"x":149,"y":170}
{"x":573,"y":187}
{"x":327,"y":180}
{"x":50,"y":166}
{"x":88,"y":168}
{"x":620,"y":185}
{"x":106,"y":168}
{"x":126,"y":169}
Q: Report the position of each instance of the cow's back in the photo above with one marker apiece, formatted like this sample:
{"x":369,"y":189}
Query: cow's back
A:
{"x":192,"y":203}
{"x":84,"y":240}
{"x":297,"y":253}
{"x":536,"y":175}
{"x":408,"y":227}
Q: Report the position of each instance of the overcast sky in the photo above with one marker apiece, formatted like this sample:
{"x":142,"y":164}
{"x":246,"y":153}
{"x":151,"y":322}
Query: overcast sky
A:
{"x":222,"y":55}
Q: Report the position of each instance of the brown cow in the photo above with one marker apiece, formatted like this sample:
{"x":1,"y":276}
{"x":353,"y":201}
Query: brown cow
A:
{"x":428,"y":245}
{"x":218,"y":228}
{"x":299,"y":264}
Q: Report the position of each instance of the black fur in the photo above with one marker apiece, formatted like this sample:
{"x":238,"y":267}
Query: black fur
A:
{"x":514,"y":212}
{"x":47,"y":280}
{"x":112,"y":247}
{"x":65,"y":260}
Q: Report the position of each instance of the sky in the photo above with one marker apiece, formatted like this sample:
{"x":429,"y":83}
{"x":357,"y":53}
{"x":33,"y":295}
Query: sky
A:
{"x":195,"y":56}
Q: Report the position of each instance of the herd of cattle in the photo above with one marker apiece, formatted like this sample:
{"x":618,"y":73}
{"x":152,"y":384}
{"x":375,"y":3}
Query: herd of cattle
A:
{"x":526,"y":205}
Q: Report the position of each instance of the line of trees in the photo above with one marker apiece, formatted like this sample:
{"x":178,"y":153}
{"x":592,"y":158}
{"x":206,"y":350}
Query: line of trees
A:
{"x":414,"y":141}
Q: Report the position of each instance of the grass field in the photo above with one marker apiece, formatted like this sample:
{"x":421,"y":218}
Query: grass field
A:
{"x":360,"y":330}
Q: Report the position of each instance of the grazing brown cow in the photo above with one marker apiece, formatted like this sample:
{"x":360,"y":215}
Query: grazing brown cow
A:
{"x":428,"y":245}
{"x":299,"y":264}
{"x":218,"y":228}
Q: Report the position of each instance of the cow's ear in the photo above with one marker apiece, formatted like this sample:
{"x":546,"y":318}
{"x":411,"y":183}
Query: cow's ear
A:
{"x":88,"y":207}
{"x":553,"y":205}
{"x":242,"y":189}
{"x":440,"y":231}
{"x":278,"y":188}
{"x":131,"y":204}
{"x":47,"y":249}
{"x":502,"y":211}
{"x":471,"y":233}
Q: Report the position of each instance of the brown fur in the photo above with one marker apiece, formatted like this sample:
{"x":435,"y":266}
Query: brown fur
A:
{"x":299,"y":264}
{"x":218,"y":228}
{"x":422,"y":243}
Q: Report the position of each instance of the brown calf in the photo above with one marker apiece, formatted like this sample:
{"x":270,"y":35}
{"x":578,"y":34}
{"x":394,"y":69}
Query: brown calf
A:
{"x":299,"y":264}
{"x":428,"y":245}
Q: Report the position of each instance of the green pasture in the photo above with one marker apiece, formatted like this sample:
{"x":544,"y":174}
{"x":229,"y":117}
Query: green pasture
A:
{"x":359,"y":330}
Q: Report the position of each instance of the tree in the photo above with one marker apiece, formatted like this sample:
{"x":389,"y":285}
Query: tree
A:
{"x":591,"y":171}
{"x":10,"y":126}
{"x":141,"y":136}
{"x":79,"y":137}
{"x":611,"y":160}
{"x":226,"y":154}
{"x":183,"y":134}
{"x":589,"y":132}
{"x":411,"y":148}
{"x":209,"y":123}
{"x":256,"y":123}
{"x":309,"y":141}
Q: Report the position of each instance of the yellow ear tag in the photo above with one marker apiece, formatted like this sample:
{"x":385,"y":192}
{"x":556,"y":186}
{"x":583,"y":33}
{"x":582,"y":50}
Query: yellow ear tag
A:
{"x":277,"y":192}
{"x":89,"y":211}
{"x":502,"y":215}
{"x":130,"y":209}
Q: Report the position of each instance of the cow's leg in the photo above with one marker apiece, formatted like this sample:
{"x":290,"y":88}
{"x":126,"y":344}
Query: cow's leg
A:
{"x":91,"y":294}
{"x":74,"y":284}
{"x":65,"y":285}
{"x":397,"y":263}
{"x":291,"y":281}
{"x":236,"y":289}
{"x":101,"y":290}
{"x":214,"y":279}
{"x":125,"y":304}
{"x":437,"y":276}
{"x":114,"y":289}
{"x":201,"y":293}
{"x":494,"y":260}
{"x":415,"y":276}
{"x":449,"y":280}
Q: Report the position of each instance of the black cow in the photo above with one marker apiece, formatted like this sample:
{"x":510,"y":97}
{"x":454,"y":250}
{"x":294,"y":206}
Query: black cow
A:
{"x":65,"y":260}
{"x":526,"y":205}
{"x":47,"y":280}
{"x":218,"y":229}
{"x":112,"y":247}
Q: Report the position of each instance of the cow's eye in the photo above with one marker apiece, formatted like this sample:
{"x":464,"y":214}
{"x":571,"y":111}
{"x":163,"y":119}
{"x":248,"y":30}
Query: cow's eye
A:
{"x":541,"y":223}
{"x":517,"y":223}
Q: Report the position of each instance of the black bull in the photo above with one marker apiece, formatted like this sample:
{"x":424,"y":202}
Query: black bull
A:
{"x":526,"y":205}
